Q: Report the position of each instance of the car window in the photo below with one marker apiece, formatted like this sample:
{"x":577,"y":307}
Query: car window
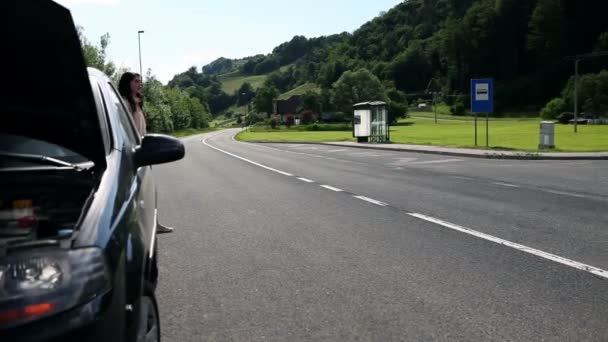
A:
{"x":126,"y":123}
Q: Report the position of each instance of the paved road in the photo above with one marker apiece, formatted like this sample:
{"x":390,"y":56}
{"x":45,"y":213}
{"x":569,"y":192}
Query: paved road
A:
{"x":302,"y":242}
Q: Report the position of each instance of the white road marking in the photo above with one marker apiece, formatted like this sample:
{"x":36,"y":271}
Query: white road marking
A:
{"x":248,"y":161}
{"x":507,"y":185}
{"x":331,"y":188}
{"x":306,"y":180}
{"x":563,"y":193}
{"x":334,"y":151}
{"x":556,"y":258}
{"x":371,"y":200}
{"x":463,"y":178}
{"x":436,"y":161}
{"x":402,"y":161}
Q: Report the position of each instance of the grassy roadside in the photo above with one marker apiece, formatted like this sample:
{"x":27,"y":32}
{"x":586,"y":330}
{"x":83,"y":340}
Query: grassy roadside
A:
{"x":193,"y":131}
{"x":295,"y":136}
{"x":522,"y":135}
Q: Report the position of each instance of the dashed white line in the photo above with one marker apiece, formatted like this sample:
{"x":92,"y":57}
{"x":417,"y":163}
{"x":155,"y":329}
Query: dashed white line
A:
{"x":507,"y":185}
{"x":334,"y":151}
{"x":306,"y":180}
{"x":556,"y":258}
{"x":247,"y":160}
{"x":328,"y":187}
{"x":371,"y":200}
{"x":436,"y":161}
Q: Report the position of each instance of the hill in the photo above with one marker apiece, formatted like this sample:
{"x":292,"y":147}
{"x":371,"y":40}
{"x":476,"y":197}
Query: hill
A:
{"x":522,"y":44}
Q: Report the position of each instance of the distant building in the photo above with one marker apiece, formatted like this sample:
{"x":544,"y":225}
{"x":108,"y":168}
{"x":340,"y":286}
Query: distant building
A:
{"x":288,"y":106}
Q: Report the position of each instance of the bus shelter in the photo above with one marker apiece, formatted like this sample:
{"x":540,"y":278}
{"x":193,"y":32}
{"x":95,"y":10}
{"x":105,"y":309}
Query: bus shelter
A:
{"x":370,"y":122}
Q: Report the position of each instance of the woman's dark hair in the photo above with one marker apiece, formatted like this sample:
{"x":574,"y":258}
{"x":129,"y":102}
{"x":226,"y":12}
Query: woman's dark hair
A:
{"x":124,"y":88}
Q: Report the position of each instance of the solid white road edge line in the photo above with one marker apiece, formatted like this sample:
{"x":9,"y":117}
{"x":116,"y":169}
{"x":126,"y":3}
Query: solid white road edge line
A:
{"x":371,"y":200}
{"x":556,"y":258}
{"x":247,"y":160}
{"x":328,"y":187}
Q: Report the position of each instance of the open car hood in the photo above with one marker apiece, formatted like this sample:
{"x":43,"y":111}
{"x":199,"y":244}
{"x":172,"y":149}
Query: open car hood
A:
{"x":46,"y":94}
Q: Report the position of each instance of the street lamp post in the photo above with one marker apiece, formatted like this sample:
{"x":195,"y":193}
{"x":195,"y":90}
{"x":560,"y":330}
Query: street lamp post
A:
{"x":139,"y":42}
{"x":577,"y":60}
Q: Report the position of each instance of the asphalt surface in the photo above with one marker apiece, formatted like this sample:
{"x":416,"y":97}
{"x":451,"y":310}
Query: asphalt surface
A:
{"x":415,"y":247}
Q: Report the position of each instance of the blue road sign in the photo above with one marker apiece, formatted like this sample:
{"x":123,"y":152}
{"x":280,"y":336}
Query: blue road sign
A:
{"x":482,"y":95}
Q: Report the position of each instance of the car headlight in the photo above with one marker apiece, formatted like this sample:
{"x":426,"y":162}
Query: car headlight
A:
{"x":34,"y":285}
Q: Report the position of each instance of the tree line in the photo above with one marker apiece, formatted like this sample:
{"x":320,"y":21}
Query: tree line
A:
{"x":168,"y":109}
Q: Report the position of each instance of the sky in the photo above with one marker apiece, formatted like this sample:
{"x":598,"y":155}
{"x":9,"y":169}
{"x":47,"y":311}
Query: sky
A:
{"x":184,"y":33}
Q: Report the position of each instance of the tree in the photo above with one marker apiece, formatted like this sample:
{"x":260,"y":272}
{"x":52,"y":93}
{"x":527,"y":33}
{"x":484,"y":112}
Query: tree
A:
{"x":547,"y":31}
{"x":95,"y":56}
{"x":245,"y":94}
{"x":311,"y":101}
{"x":264,"y":100}
{"x":411,"y":70}
{"x":397,"y":107}
{"x":553,"y":109}
{"x":159,"y":115}
{"x":355,"y":87}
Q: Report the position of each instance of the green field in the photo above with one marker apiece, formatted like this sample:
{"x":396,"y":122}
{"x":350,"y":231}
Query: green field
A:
{"x":504,"y":135}
{"x":233,"y":81}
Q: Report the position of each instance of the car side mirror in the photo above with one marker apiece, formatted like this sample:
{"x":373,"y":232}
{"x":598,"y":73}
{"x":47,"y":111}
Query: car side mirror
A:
{"x":158,"y":149}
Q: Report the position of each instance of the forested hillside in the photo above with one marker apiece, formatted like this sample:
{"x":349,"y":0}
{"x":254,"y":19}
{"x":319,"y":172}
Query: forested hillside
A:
{"x":437,"y":44}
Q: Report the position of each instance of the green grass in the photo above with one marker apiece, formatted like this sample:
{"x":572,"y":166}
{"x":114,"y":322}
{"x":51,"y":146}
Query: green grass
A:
{"x":508,"y":135}
{"x":233,"y":81}
{"x":301,"y":90}
{"x":192,"y":131}
{"x":504,"y":135}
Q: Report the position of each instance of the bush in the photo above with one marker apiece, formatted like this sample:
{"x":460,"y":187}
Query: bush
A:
{"x":306,"y":117}
{"x":564,"y":118}
{"x":553,"y":109}
{"x":273,"y":123}
{"x":327,"y":127}
{"x":458,"y":109}
{"x":239,"y":119}
{"x":289,"y":121}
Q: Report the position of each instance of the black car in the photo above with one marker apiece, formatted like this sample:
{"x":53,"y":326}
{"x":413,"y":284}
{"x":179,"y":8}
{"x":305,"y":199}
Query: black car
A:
{"x":78,"y":203}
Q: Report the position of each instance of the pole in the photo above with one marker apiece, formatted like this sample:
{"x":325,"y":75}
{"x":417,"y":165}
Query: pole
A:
{"x":487,"y":129}
{"x":576,"y":95}
{"x":139,"y":42}
{"x":475,"y":129}
{"x":435,"y":105}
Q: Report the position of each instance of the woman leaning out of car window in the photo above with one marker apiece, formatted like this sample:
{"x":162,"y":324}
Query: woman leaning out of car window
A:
{"x":130,"y":88}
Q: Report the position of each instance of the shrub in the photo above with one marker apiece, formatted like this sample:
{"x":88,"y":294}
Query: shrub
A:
{"x":564,"y":118}
{"x":273,"y":123}
{"x":458,"y":109}
{"x":553,"y":109}
{"x":289,"y":121}
{"x":306,"y":117}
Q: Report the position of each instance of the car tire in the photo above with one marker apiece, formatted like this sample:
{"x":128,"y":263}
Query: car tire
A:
{"x":148,"y":327}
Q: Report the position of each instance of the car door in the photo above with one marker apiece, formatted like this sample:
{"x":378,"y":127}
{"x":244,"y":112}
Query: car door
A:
{"x":142,"y":184}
